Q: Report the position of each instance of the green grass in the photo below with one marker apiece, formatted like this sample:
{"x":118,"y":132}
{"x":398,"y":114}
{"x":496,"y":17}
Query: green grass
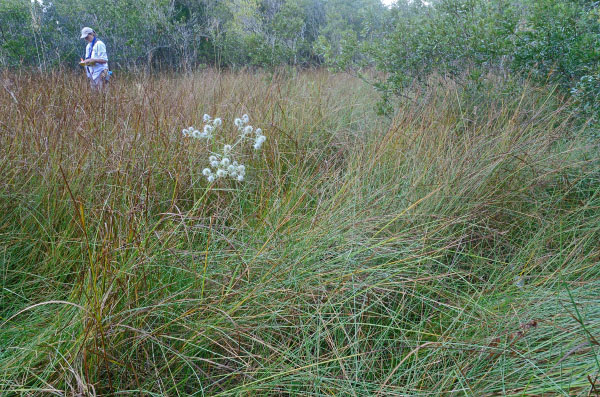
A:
{"x":450,"y":250}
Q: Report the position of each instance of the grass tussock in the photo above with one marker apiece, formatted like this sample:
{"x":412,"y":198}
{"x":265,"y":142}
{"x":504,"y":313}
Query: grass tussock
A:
{"x":451,"y":250}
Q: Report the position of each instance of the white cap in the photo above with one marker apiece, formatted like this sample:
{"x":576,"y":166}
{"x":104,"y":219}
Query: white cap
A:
{"x":85,"y":31}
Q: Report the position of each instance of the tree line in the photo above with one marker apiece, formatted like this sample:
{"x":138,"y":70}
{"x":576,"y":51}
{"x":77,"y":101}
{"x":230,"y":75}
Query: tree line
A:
{"x":183,"y":34}
{"x":551,"y":41}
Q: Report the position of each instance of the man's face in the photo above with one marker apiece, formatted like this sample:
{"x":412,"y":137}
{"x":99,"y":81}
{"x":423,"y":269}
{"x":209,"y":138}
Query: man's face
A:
{"x":89,"y":38}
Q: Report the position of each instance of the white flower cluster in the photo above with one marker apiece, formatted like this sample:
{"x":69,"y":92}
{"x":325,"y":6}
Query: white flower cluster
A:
{"x":223,"y":165}
{"x":246,"y":131}
{"x":209,"y":128}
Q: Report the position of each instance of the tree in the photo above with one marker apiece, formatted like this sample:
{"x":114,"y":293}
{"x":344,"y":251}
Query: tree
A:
{"x":21,"y":39}
{"x":559,"y":41}
{"x":349,"y":29}
{"x":449,"y":38}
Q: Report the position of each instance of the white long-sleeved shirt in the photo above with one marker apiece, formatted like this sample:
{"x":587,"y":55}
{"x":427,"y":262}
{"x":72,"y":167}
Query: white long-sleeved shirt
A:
{"x":98,"y":52}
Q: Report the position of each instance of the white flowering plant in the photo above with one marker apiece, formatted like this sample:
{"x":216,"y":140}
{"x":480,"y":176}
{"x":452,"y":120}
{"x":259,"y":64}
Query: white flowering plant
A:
{"x":226,"y":161}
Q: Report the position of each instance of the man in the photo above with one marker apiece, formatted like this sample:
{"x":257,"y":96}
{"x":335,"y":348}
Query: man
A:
{"x":96,"y":60}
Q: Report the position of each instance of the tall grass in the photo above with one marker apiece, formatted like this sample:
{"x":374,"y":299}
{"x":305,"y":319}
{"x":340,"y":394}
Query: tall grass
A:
{"x":450,"y":250}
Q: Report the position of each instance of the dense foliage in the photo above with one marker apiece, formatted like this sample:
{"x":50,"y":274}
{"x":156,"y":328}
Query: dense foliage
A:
{"x":550,"y":41}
